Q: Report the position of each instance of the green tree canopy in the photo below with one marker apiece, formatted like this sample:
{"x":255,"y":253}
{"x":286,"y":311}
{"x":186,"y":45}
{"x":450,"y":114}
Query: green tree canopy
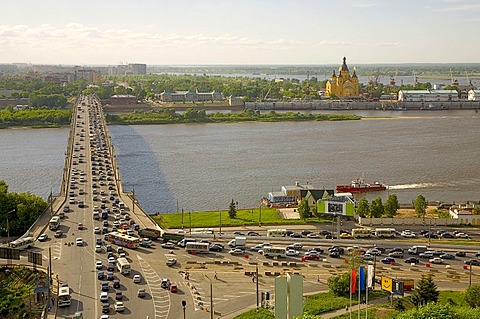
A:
{"x":472,"y":296}
{"x":425,"y":292}
{"x":339,"y":285}
{"x":420,"y":205}
{"x":391,"y":205}
{"x":376,"y":208}
{"x":304,"y":209}
{"x":440,"y":311}
{"x":232,"y":211}
{"x":363,"y":209}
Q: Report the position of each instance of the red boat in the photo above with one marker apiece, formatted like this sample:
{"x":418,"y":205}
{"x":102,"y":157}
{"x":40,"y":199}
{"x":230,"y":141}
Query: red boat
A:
{"x":359,"y":185}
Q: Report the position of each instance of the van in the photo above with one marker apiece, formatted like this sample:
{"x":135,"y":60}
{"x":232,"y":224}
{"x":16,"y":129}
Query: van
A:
{"x":183,"y":243}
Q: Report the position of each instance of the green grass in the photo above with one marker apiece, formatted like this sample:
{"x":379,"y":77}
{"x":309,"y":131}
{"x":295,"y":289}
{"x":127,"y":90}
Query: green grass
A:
{"x":327,"y":301}
{"x":245,"y":217}
{"x":254,"y":314}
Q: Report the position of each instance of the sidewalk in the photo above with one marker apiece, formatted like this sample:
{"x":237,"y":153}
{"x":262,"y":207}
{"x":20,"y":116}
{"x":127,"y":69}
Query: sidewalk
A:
{"x":354,"y":309}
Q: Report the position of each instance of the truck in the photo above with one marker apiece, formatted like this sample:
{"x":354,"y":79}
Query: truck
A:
{"x":151,"y":233}
{"x":183,"y":243}
{"x":416,"y":250}
{"x":197,"y":248}
{"x":172,"y":237}
{"x":238,"y":241}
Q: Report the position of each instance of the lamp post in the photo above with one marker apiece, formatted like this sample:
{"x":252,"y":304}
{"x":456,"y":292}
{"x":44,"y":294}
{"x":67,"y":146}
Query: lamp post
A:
{"x":8,"y":226}
{"x":184,"y":305}
{"x":470,"y":276}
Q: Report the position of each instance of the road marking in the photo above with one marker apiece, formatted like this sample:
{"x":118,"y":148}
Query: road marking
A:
{"x":160,"y":296}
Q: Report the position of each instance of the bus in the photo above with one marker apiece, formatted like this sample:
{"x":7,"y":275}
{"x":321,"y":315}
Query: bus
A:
{"x":54,"y":223}
{"x":385,"y":232}
{"x":123,"y":266}
{"x":22,"y":243}
{"x":274,"y":252}
{"x":123,"y":240}
{"x":361,"y":233}
{"x":276,"y":233}
{"x":197,"y":248}
{"x":64,"y":298}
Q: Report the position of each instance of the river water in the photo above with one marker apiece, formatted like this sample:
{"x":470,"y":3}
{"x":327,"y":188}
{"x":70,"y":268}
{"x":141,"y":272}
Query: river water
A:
{"x":205,"y":166}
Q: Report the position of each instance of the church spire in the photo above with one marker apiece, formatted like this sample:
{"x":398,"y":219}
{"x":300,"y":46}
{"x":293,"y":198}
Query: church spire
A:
{"x":344,"y":65}
{"x":354,"y":73}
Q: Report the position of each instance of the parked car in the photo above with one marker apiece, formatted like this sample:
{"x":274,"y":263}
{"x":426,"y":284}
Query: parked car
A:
{"x":253,"y":233}
{"x":412,"y":260}
{"x":460,"y":254}
{"x":42,"y":237}
{"x":396,"y":254}
{"x":171,"y":262}
{"x":436,"y":260}
{"x":141,"y":293}
{"x":388,"y":260}
{"x":473,"y":262}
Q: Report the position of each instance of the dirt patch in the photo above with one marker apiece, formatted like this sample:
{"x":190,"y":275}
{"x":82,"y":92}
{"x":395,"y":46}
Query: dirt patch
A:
{"x":410,"y":213}
{"x":289,"y":213}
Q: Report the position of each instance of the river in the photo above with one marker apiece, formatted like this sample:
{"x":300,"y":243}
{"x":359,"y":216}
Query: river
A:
{"x":205,"y":166}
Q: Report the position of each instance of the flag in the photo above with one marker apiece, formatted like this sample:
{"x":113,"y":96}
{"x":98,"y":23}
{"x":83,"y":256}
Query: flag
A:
{"x":353,"y":282}
{"x":361,"y":279}
{"x":370,"y":276}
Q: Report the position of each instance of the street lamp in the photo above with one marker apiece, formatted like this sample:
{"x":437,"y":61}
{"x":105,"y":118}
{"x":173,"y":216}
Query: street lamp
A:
{"x":184,"y":305}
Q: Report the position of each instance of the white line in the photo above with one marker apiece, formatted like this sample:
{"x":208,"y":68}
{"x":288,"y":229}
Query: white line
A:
{"x":146,"y":267}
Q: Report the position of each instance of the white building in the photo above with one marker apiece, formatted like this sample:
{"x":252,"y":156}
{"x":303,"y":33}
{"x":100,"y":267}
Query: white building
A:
{"x":428,"y":95}
{"x":190,"y":96}
{"x":474,"y":95}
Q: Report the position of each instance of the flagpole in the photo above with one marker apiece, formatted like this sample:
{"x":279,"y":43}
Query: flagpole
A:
{"x":359,"y":293}
{"x":366,"y":302}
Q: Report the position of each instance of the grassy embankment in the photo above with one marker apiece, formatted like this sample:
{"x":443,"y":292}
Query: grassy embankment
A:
{"x":245,"y":217}
{"x":319,"y":304}
{"x":199,"y":116}
{"x":35,"y":118}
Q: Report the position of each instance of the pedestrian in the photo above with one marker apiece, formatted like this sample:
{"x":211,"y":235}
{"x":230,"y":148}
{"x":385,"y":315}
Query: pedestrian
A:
{"x":346,"y":308}
{"x":215,"y":276}
{"x":253,"y":278}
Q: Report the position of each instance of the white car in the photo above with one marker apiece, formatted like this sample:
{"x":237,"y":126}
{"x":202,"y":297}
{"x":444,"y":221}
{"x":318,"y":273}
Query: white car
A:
{"x":119,"y":306}
{"x":104,"y":296}
{"x":236,"y":251}
{"x":396,"y":254}
{"x":99,"y":264}
{"x":79,"y":241}
{"x":98,"y":248}
{"x":292,"y":252}
{"x":461,"y":235}
{"x":97,"y":230}
{"x":111,"y":260}
{"x":137,"y":279}
{"x":436,"y":260}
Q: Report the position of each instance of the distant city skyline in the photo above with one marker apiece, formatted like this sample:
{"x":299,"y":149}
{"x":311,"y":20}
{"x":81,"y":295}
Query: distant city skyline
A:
{"x":204,"y":32}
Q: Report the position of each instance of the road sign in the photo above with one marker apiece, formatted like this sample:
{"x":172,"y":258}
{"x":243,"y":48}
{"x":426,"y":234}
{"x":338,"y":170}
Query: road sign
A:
{"x":35,"y":258}
{"x":9,"y":253}
{"x":387,"y":284}
{"x":41,"y":284}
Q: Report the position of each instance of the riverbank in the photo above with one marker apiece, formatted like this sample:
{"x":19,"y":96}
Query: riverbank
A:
{"x":35,"y":118}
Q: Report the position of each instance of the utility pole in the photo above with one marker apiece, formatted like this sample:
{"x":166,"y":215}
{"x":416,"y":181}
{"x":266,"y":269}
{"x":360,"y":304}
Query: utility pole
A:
{"x":211,"y":299}
{"x":256,"y":280}
{"x":182,"y":217}
{"x":133,"y":201}
{"x":470,"y":276}
{"x":190,"y":218}
{"x":260,"y":216}
{"x":220,"y":222}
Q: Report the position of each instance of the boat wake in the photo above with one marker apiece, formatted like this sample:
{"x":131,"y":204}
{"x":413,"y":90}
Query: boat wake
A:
{"x":419,"y":185}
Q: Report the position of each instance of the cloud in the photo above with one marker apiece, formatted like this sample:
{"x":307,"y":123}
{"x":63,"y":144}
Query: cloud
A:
{"x":369,"y":4}
{"x":457,"y":6}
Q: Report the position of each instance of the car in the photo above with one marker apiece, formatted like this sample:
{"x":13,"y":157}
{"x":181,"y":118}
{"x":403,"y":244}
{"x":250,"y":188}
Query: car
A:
{"x":430,"y":235}
{"x":412,"y":260}
{"x":238,"y":233}
{"x":257,"y":247}
{"x":473,"y":262}
{"x":334,"y":254}
{"x":171,"y":261}
{"x":216,"y":248}
{"x":98,"y":241}
{"x":345,"y":236}
{"x":110,"y":275}
{"x":236,"y":251}
{"x":116,"y":283}
{"x":81,"y":204}
{"x":295,"y":246}
{"x":118,"y":295}
{"x":388,"y":251}
{"x":109,"y":248}
{"x":105,"y":309}
{"x":312,"y":257}
{"x":100,"y":275}
{"x":42,"y":237}
{"x":58,"y":234}
{"x":388,"y":260}
{"x":462,"y":235}
{"x":104,"y":296}
{"x":317,"y":249}
{"x":460,"y":254}
{"x":141,"y":293}
{"x":97,"y":230}
{"x":165,"y":283}
{"x":292,"y":252}
{"x":105,"y":286}
{"x":374,"y":252}
{"x":79,"y":241}
{"x":80,"y":226}
{"x":99,"y":264}
{"x":427,"y":254}
{"x":168,"y":245}
{"x":447,"y":256}
{"x":137,"y":279}
{"x":98,"y":248}
{"x":368,"y":257}
{"x":437,"y":253}
{"x":66,"y":209}
{"x":436,"y":260}
{"x":253,"y":233}
{"x":447,"y":235}
{"x":173,"y":288}
{"x":305,"y":232}
{"x":119,"y":306}
{"x":111,"y":259}
{"x":313,"y":235}
{"x":295,"y":235}
{"x":396,"y":254}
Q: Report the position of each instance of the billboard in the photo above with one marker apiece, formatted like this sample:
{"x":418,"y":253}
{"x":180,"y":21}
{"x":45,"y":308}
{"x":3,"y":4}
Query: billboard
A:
{"x":9,"y":253}
{"x":393,"y":286}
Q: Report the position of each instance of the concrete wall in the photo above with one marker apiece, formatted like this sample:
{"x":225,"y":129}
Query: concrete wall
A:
{"x":407,"y":221}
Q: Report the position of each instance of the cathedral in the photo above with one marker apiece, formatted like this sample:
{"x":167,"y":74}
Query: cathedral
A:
{"x":343,"y":85}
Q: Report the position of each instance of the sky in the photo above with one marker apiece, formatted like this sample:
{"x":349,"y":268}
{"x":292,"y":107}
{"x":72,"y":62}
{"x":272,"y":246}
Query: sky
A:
{"x":199,"y":32}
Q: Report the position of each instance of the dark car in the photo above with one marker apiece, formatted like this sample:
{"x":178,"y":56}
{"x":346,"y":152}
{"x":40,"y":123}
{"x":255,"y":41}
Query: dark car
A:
{"x":110,"y":275}
{"x":447,"y":235}
{"x":295,"y":235}
{"x":388,"y":260}
{"x":392,"y":250}
{"x":474,"y":262}
{"x":105,"y":286}
{"x":334,"y":254}
{"x":105,"y":307}
{"x":340,"y":250}
{"x":430,"y":235}
{"x":118,"y":295}
{"x":238,"y":233}
{"x":100,"y":275}
{"x":253,"y":233}
{"x":312,"y":257}
{"x":116,"y":283}
{"x":460,"y":254}
{"x":216,"y":248}
{"x":325,"y":233}
{"x":305,"y":232}
{"x":318,"y":250}
{"x":412,"y":260}
{"x":447,"y":256}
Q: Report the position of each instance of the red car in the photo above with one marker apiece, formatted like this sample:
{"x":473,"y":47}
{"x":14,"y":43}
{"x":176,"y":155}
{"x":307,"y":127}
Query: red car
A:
{"x":312,"y":257}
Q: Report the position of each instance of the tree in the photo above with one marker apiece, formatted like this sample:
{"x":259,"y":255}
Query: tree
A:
{"x":340,"y":284}
{"x":391,"y":205}
{"x":376,"y":208}
{"x":420,"y":205}
{"x":425,"y":292}
{"x":472,"y":296}
{"x":363,"y":209}
{"x":304,"y":209}
{"x":232,"y":212}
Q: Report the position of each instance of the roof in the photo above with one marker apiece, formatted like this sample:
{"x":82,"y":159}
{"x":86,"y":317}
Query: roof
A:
{"x":428,"y":91}
{"x":297,"y":187}
{"x":344,"y":65}
{"x":317,"y":194}
{"x":123,"y":96}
